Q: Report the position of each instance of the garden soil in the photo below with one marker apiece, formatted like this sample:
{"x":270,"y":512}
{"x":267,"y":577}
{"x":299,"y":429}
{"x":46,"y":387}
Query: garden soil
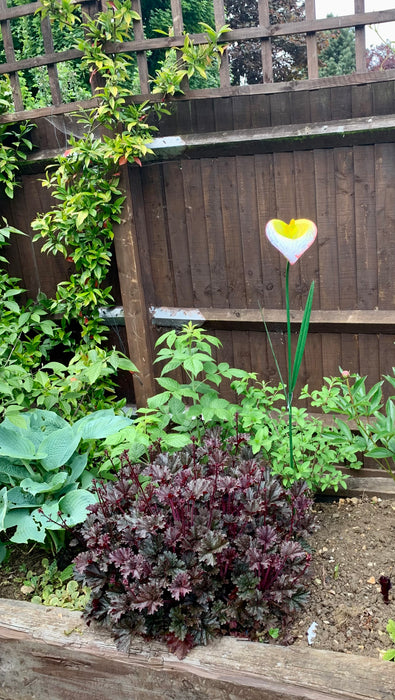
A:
{"x":353,"y":547}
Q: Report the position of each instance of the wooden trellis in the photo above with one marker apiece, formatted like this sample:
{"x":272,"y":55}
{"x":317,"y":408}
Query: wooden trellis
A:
{"x":264,"y":32}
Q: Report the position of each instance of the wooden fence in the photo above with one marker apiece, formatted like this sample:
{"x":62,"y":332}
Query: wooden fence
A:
{"x":192,"y":242}
{"x":265,"y":32}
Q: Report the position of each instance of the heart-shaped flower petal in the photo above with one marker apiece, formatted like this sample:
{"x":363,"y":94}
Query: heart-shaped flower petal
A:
{"x":292,"y":239}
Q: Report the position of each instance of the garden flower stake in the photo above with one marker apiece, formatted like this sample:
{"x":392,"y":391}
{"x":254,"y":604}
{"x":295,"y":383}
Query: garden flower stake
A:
{"x":292,"y":240}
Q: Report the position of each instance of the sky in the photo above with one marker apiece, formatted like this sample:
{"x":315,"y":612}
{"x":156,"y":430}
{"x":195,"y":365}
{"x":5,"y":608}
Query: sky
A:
{"x":346,"y":7}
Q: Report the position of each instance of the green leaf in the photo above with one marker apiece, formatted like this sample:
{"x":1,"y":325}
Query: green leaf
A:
{"x":27,"y":529}
{"x":59,"y":446}
{"x":302,"y":339}
{"x":379,"y":453}
{"x":100,"y":424}
{"x":159,"y":399}
{"x":54,"y":484}
{"x":14,"y":444}
{"x":20,"y":499}
{"x":74,"y":505}
{"x":177,"y":440}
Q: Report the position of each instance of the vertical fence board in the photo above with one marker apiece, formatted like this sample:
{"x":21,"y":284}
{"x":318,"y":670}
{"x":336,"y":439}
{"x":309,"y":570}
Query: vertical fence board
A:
{"x":176,"y":219}
{"x":160,"y":257}
{"x":249,"y":229}
{"x":215,"y":232}
{"x":271,"y":260}
{"x":345,"y":227}
{"x":196,"y":233}
{"x":365,"y":226}
{"x":133,"y":297}
{"x":385,"y":222}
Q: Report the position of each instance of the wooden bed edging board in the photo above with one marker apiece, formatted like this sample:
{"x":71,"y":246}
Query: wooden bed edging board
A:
{"x":50,"y":654}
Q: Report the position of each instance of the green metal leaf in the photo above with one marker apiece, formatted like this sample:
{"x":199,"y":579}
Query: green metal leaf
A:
{"x":302,"y":339}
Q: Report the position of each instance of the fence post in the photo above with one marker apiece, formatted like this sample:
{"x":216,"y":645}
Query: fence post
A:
{"x":133,"y":296}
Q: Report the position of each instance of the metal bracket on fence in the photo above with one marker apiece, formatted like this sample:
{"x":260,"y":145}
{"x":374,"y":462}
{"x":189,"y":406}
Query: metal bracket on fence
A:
{"x":161,"y":316}
{"x":112,"y":316}
{"x":172,"y":317}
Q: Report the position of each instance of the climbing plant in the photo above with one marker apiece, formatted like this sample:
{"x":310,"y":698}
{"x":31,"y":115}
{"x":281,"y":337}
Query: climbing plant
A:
{"x":85,"y":179}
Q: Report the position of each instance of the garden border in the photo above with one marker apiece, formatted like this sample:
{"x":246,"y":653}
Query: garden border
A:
{"x":50,"y":653}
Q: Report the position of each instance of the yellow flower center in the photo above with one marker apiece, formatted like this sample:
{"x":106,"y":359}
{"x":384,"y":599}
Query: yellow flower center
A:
{"x":295,"y":229}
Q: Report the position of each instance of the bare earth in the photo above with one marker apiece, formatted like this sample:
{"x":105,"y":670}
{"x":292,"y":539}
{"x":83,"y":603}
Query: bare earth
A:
{"x":354,"y":546}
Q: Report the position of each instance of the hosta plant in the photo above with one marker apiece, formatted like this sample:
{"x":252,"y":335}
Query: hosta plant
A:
{"x":44,"y":482}
{"x":197,"y":543}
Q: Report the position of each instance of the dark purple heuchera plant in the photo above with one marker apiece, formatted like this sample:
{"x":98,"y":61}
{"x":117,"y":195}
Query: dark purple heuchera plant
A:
{"x":200,"y":542}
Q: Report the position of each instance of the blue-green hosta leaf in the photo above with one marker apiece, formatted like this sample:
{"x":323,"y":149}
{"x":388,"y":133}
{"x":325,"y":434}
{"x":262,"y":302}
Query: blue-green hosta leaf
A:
{"x":77,"y":465}
{"x":14,"y":444}
{"x":74,"y":504}
{"x":100,"y":424}
{"x":47,"y":421}
{"x":14,"y":471}
{"x":59,"y":446}
{"x":21,"y":499}
{"x":54,"y":484}
{"x":27,"y":528}
{"x":3,"y":506}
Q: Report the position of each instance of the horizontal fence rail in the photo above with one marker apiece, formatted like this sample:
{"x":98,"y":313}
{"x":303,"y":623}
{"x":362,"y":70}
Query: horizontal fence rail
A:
{"x":307,"y":29}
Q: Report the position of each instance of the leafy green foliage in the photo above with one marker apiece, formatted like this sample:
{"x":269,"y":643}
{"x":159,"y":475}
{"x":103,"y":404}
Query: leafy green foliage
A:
{"x":43,"y":476}
{"x":374,"y":422}
{"x":338,"y":57}
{"x":56,"y":588}
{"x":86,"y":179}
{"x":390,"y":654}
{"x":14,"y":148}
{"x":197,"y":543}
{"x":189,"y":408}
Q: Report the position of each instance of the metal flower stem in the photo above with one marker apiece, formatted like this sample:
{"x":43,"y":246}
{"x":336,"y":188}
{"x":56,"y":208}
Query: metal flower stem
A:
{"x":289,"y":389}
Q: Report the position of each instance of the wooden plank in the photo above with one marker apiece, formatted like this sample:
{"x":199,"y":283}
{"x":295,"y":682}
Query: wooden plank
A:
{"x":280,"y":109}
{"x":345,"y":227}
{"x":260,"y":111}
{"x":341,"y":103}
{"x":233,"y":254}
{"x":203,"y":116}
{"x":52,"y":70}
{"x":155,"y":217}
{"x":365,"y":226}
{"x":41,"y":645}
{"x":385,"y":222}
{"x":196,"y":233}
{"x":266,"y":44}
{"x":350,"y":352}
{"x":311,"y":42}
{"x":215,"y":232}
{"x":133,"y":297}
{"x":369,"y":358}
{"x":9,"y":51}
{"x":326,"y":224}
{"x":362,"y":100}
{"x":318,"y":102}
{"x":272,"y":263}
{"x":223,"y":114}
{"x":241,"y":112}
{"x":141,"y":56}
{"x":360,"y":39}
{"x":220,"y":21}
{"x":284,"y":178}
{"x":177,"y":226}
{"x":383,"y":98}
{"x":249,"y":230}
{"x":176,"y":11}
